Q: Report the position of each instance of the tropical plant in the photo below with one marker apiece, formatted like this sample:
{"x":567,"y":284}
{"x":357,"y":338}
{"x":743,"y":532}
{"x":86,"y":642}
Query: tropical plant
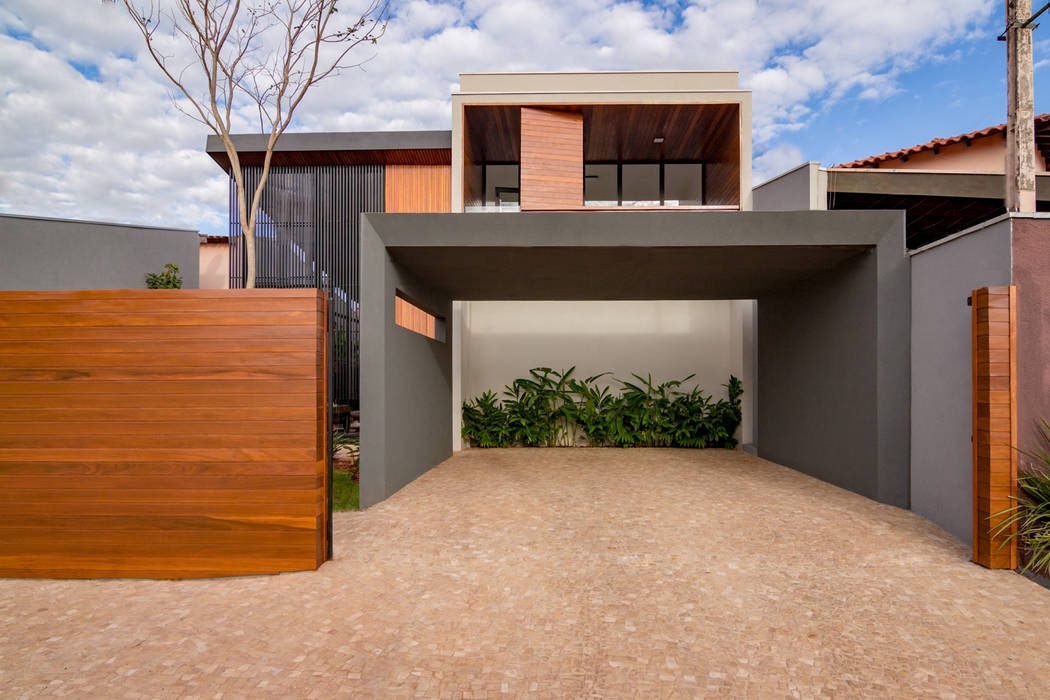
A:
{"x":341,"y":440}
{"x":168,"y":279}
{"x":595,"y":409}
{"x":1029,"y":521}
{"x":691,"y":416}
{"x":485,"y":422}
{"x":550,"y":408}
{"x":646,"y":416}
{"x":541,"y":408}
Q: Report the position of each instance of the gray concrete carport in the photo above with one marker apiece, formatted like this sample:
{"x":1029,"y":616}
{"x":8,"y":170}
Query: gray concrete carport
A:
{"x":833,"y":326}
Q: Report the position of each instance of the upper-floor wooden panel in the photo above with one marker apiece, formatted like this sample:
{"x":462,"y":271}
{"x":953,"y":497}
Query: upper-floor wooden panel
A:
{"x":418,"y":188}
{"x":551,"y":159}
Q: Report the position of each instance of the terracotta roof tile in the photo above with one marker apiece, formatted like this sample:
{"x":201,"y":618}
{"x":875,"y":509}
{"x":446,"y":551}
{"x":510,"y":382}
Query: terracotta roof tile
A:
{"x":873,"y":161}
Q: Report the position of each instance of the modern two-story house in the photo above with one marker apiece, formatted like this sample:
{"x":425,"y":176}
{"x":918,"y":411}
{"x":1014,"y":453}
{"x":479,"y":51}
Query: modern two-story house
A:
{"x":644,"y":141}
{"x":602,"y":220}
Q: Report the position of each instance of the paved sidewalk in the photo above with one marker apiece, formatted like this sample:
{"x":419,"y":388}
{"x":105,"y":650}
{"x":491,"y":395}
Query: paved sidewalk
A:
{"x":565,"y":573}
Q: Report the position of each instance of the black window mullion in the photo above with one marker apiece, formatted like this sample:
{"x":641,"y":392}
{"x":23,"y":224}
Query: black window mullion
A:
{"x":661,"y":183}
{"x":619,"y":184}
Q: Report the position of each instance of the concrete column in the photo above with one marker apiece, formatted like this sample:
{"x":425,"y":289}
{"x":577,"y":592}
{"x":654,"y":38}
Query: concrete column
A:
{"x":459,"y":328}
{"x":742,"y":363}
{"x":1020,"y":127}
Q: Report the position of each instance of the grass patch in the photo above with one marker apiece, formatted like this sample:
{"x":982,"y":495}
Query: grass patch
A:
{"x":345,"y":491}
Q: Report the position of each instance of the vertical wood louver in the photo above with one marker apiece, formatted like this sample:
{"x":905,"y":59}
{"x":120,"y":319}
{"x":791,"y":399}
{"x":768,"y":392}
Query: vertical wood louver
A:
{"x":307,"y":235}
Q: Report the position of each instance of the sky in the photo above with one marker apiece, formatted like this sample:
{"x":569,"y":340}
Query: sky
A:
{"x":89,"y":128}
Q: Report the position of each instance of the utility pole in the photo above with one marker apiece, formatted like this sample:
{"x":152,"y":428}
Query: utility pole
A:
{"x":1020,"y":124}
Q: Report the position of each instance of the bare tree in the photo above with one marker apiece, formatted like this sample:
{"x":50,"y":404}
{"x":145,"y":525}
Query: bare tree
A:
{"x":256,"y":55}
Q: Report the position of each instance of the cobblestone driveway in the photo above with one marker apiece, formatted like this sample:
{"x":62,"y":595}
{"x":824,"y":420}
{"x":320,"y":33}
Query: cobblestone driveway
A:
{"x":649,"y":573}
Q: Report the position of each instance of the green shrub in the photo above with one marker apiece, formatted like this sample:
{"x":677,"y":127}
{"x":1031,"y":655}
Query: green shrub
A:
{"x":540,"y":408}
{"x":647,"y":414}
{"x":485,"y":422}
{"x":169,"y":279}
{"x":595,"y":410}
{"x":1031,"y":515}
{"x":550,"y":408}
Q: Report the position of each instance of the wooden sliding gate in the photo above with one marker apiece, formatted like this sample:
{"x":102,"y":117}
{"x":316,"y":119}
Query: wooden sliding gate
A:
{"x":994,"y":422}
{"x":163,"y":433}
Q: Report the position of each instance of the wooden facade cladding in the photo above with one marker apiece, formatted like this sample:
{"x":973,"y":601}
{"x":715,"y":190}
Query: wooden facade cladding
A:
{"x":418,"y":188}
{"x":162,"y":433}
{"x":551,"y":159}
{"x":994,"y":422}
{"x":408,"y":315}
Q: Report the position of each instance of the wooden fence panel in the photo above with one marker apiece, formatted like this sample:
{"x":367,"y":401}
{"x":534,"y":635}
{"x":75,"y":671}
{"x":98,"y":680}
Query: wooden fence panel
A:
{"x":994,"y":421}
{"x":162,"y":433}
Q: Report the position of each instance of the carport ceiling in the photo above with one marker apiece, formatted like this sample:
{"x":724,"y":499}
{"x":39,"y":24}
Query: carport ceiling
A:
{"x":576,"y":273}
{"x":628,"y":255}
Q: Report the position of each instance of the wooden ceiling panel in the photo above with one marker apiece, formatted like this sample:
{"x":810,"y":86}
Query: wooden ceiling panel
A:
{"x":492,"y":134}
{"x":614,"y":132}
{"x":690,"y":132}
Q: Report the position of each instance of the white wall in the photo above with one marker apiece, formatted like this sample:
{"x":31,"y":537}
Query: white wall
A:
{"x":499,"y":341}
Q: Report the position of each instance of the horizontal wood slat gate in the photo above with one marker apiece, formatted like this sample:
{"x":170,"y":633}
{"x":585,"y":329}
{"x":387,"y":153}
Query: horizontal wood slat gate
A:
{"x":163,"y":433}
{"x":994,"y":422}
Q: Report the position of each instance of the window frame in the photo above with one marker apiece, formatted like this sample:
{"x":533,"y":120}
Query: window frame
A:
{"x":619,"y":177}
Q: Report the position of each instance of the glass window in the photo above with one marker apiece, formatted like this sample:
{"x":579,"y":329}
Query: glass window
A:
{"x":599,"y":185}
{"x":641,"y":185}
{"x":683,"y":184}
{"x":501,"y":187}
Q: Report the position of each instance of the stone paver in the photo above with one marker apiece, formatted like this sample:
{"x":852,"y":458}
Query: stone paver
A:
{"x":593,"y":573}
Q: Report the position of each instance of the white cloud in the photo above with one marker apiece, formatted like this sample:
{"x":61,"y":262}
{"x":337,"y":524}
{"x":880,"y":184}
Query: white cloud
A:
{"x":106,"y":142}
{"x":775,"y":161}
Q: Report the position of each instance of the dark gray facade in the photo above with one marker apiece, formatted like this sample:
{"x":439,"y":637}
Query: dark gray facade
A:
{"x":40,"y":254}
{"x":833,"y":300}
{"x":943,"y":276}
{"x":326,"y":142}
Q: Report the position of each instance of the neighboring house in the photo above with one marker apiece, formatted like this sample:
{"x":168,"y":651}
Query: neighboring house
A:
{"x":982,"y":151}
{"x":42,"y":253}
{"x":214,"y":262}
{"x":945,"y":185}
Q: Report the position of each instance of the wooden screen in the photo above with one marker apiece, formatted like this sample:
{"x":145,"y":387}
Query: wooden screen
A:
{"x":162,"y":433}
{"x":418,"y":188}
{"x":994,"y":421}
{"x":551,"y":159}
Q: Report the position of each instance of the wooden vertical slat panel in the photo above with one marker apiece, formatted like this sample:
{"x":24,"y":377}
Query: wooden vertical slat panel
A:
{"x":994,"y":347}
{"x":551,"y":159}
{"x":418,"y":189}
{"x":184,"y":430}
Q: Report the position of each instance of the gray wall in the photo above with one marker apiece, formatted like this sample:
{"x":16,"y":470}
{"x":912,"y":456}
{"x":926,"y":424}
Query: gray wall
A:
{"x":42,"y":254}
{"x":799,"y":189}
{"x":833,"y":373}
{"x":943,"y":275}
{"x":818,"y":388}
{"x":406,"y":378}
